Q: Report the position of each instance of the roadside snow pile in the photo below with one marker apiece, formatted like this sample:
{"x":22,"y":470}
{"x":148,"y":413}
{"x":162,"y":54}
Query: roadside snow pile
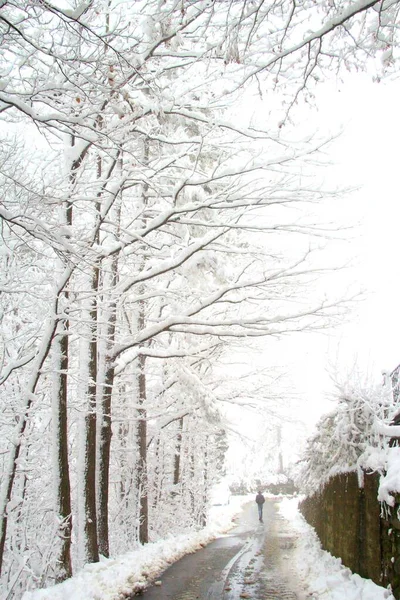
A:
{"x":323,"y":574}
{"x":115,"y":578}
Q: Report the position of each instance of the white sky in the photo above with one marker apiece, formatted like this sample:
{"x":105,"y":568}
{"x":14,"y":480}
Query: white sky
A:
{"x":374,"y":136}
{"x":366,"y":156}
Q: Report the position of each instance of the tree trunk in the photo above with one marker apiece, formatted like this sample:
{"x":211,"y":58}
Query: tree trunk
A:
{"x":109,"y":314}
{"x":104,"y":463}
{"x":60,"y":433}
{"x":89,"y":469}
{"x":142,"y":415}
{"x":280,"y":456}
{"x":142,"y":462}
{"x":60,"y":436}
{"x":203,"y":514}
{"x":157,"y":473}
{"x":191,"y":479}
{"x":177,"y":457}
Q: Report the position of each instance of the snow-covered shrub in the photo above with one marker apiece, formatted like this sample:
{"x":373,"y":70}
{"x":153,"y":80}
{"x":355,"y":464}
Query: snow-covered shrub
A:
{"x":346,"y":438}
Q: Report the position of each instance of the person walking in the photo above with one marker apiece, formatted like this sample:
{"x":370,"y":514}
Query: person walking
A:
{"x":260,"y":503}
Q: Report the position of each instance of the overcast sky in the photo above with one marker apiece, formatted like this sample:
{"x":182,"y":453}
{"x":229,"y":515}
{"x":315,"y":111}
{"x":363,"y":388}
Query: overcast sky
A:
{"x":366,"y":156}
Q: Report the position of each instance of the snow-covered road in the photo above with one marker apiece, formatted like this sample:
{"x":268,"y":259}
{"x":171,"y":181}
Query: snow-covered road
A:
{"x":281,"y":559}
{"x":262,"y":570}
{"x":253,"y":561}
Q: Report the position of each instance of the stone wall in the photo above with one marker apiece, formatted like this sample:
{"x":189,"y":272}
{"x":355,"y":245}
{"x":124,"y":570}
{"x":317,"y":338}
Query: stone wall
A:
{"x":348,"y":522}
{"x":390,"y":543}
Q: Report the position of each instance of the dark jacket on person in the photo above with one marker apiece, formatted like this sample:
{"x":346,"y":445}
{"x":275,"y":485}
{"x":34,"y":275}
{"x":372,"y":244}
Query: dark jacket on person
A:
{"x":260,"y":498}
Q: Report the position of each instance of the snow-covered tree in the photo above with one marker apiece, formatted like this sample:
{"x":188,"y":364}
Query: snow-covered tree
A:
{"x":148,"y":222}
{"x":346,"y":437}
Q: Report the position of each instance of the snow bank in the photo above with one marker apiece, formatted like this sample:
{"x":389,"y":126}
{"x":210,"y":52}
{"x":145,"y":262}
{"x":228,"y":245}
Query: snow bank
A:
{"x":114,"y":578}
{"x":323,"y":574}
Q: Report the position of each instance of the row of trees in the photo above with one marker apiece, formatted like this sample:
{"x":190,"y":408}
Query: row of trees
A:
{"x":145,"y":223}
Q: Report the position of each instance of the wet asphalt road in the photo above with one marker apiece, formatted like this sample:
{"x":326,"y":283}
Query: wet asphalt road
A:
{"x":252,"y":562}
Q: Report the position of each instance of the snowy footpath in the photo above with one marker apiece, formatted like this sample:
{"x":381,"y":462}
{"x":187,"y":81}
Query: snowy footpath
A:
{"x":317,"y":574}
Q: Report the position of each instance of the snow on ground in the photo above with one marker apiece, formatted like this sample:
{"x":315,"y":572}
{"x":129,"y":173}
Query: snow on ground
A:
{"x":113,"y":578}
{"x":324,"y":575}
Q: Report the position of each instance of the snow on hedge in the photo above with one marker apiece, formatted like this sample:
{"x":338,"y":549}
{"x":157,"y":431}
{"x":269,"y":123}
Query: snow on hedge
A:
{"x":354,"y":437}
